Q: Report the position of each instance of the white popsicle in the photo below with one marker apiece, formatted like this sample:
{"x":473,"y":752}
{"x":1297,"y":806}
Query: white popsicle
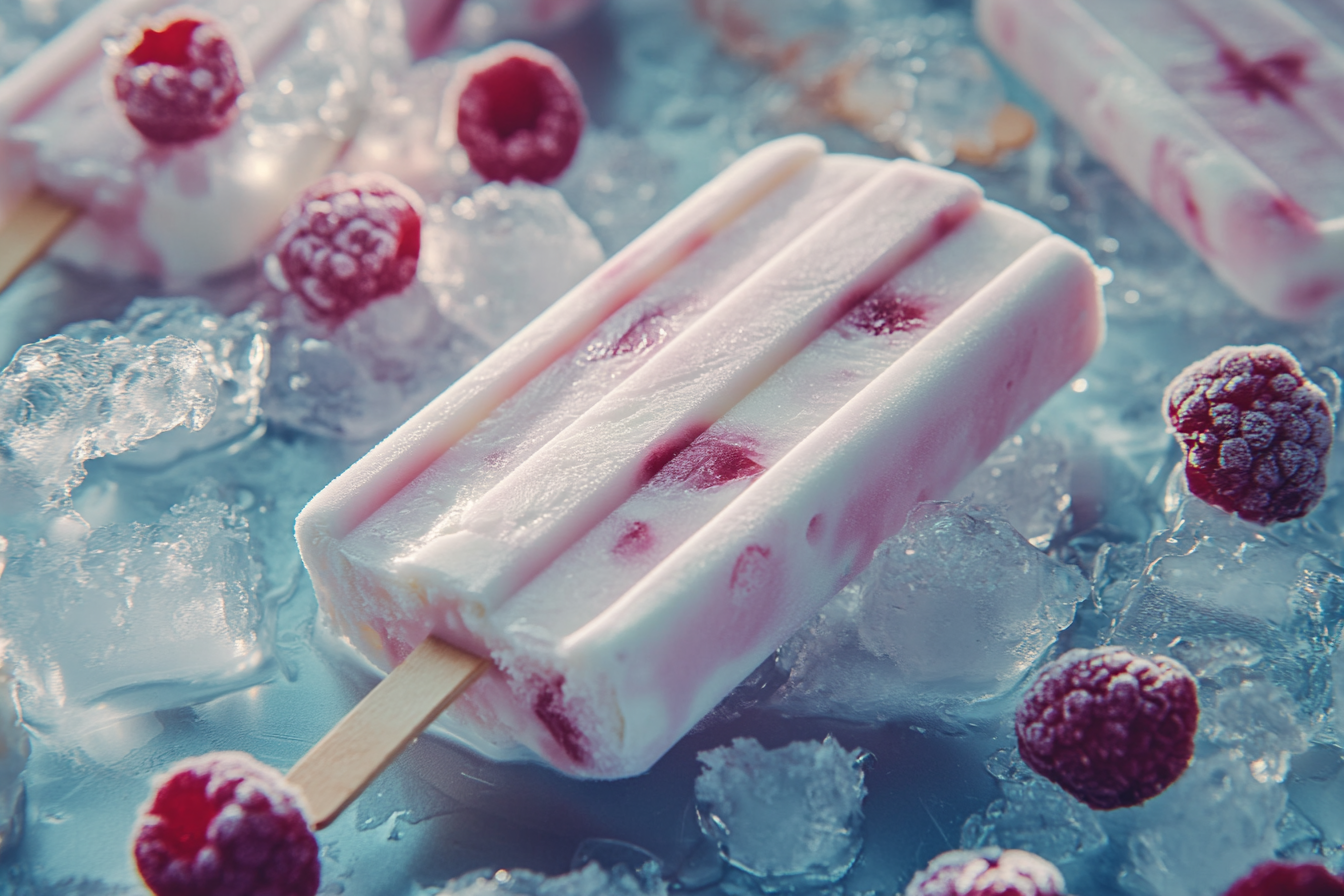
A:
{"x":629,"y":505}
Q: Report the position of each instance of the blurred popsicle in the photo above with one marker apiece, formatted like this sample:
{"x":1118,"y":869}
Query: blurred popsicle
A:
{"x":1227,"y":117}
{"x":188,"y":209}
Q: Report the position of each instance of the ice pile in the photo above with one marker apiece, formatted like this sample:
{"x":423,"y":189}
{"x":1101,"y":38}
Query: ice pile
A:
{"x":129,"y":617}
{"x":64,"y":402}
{"x":132,"y":617}
{"x":1237,"y":604}
{"x":363,"y":377}
{"x":1254,"y":615}
{"x":590,"y":880}
{"x":234,"y":349}
{"x":472,"y":248}
{"x":953,"y":610}
{"x":790,"y":817}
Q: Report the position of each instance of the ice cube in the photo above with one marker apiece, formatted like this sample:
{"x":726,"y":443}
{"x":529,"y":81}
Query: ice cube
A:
{"x":64,"y":402}
{"x":1208,"y":829}
{"x":788,"y":817}
{"x":235,"y":349}
{"x":130,"y":618}
{"x":590,"y":880}
{"x":617,"y":184}
{"x":1035,"y":815}
{"x":361,"y":379}
{"x":1233,"y":602}
{"x":14,"y":750}
{"x":473,"y":249}
{"x":1028,"y":479}
{"x":953,"y":610}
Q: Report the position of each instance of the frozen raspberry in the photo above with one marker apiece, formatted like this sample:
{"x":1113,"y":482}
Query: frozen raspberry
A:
{"x":178,"y":78}
{"x":1255,"y":432}
{"x":349,"y":241}
{"x":1111,"y":728}
{"x":987,"y":872}
{"x":1284,"y":879}
{"x":519,"y":113}
{"x":224,"y":824}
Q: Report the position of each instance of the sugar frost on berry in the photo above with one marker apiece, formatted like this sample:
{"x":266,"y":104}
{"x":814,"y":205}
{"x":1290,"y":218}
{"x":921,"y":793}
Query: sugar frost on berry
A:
{"x":1255,"y":432}
{"x":178,"y":79}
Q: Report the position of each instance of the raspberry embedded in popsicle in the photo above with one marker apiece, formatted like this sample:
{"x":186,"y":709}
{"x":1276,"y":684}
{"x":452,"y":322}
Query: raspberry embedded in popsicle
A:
{"x":1255,"y":432}
{"x":987,"y":872}
{"x":1288,"y":879}
{"x":518,"y":113}
{"x":178,"y":79}
{"x":224,"y":824}
{"x":350,"y":240}
{"x":1111,"y":728}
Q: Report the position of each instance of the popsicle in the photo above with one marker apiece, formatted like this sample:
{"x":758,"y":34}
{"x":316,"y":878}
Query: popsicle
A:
{"x":635,"y":500}
{"x":186,"y":210}
{"x":1226,"y":116}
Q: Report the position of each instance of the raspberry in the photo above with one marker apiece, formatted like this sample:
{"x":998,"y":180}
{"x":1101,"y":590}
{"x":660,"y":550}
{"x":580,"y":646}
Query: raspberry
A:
{"x":178,"y":78}
{"x":519,"y":113}
{"x":1255,"y":432}
{"x":223,"y":824}
{"x":349,"y":241}
{"x":987,"y":872}
{"x":1284,"y":879}
{"x":1111,"y":728}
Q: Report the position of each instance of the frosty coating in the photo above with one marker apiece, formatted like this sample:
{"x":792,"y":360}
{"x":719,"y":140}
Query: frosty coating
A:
{"x":636,"y":499}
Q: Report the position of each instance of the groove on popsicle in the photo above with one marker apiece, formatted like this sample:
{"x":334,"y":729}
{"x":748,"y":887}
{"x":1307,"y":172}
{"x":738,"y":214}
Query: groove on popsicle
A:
{"x":391,"y":466}
{"x":362,"y":744}
{"x":530,"y":517}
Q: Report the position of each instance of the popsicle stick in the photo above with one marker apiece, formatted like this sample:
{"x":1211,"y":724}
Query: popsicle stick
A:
{"x":389,"y":717}
{"x":39,"y":218}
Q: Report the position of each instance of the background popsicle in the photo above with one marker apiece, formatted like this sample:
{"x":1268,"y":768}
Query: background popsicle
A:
{"x":1226,"y":117}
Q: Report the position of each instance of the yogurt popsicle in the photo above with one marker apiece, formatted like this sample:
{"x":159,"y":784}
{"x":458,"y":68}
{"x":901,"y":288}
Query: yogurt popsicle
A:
{"x":1226,"y":116}
{"x":189,"y":210}
{"x":636,"y":499}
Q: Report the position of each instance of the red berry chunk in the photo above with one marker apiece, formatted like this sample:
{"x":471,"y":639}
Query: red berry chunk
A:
{"x":1285,"y":879}
{"x":1255,"y":432}
{"x":988,"y":872}
{"x":519,"y":113}
{"x":349,"y":241}
{"x":1111,"y":728}
{"x":224,"y":824}
{"x":179,"y":79}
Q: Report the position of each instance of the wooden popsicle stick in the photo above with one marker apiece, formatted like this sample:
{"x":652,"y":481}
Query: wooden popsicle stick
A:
{"x":36,"y":222}
{"x":362,"y":744}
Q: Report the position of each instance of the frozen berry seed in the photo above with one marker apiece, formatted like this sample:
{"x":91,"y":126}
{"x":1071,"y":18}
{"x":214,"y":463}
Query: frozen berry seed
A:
{"x":1286,"y":879}
{"x":1254,"y":430}
{"x":518,"y":113}
{"x":987,"y":872}
{"x":349,"y":241}
{"x":224,"y":824}
{"x":178,"y":79}
{"x":1111,"y":728}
